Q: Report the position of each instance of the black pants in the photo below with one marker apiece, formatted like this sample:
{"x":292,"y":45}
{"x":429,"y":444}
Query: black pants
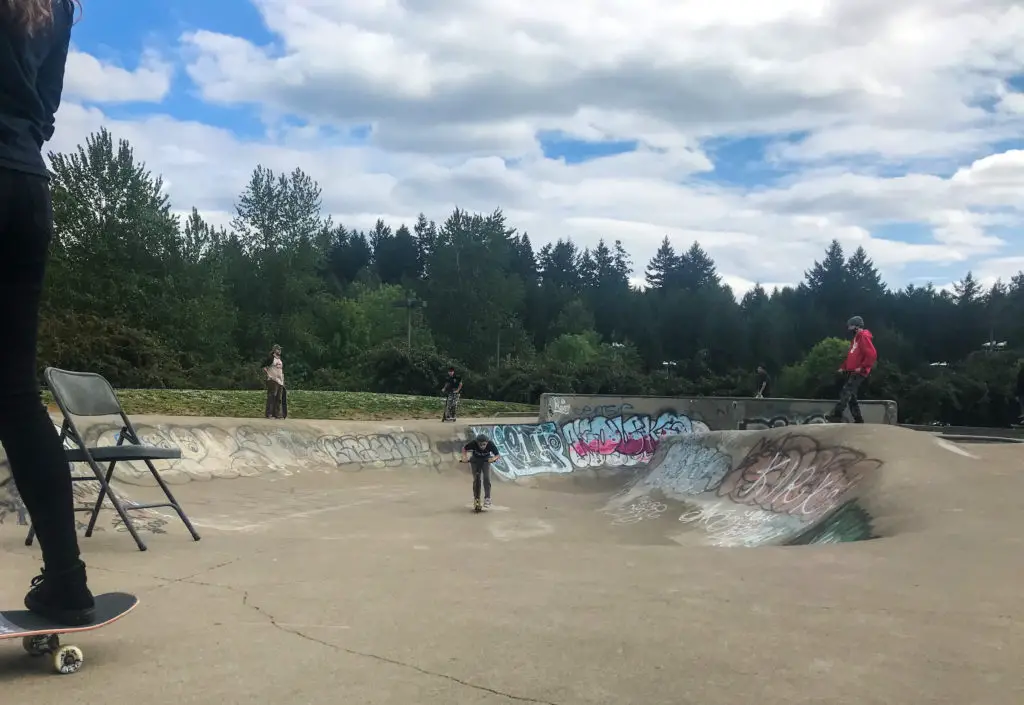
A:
{"x":36,"y":455}
{"x":848,"y":397}
{"x":275,"y":397}
{"x":481,"y":473}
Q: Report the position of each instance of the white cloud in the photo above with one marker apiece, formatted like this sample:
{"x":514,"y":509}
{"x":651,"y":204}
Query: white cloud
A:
{"x":887,"y":99}
{"x":89,"y":79}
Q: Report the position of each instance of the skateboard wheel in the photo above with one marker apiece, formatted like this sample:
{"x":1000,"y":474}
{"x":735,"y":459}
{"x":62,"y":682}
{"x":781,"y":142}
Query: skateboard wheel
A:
{"x":41,"y":645}
{"x":68,"y":659}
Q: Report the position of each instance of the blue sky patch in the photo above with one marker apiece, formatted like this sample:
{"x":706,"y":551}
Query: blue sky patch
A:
{"x":575,"y":151}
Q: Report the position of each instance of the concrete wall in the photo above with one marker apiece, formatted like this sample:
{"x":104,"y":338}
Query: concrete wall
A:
{"x":718,"y":413}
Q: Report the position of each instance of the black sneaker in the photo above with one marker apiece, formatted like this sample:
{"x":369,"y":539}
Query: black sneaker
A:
{"x":62,"y":597}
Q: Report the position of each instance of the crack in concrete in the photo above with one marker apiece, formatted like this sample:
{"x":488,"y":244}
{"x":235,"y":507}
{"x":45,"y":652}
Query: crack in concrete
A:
{"x":384,"y":659}
{"x":269,"y":618}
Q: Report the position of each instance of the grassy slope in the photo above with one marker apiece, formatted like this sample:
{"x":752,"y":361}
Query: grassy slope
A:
{"x":301,"y":405}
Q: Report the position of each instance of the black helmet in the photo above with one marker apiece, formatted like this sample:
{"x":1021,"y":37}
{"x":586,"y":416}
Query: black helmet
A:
{"x":855,"y":322}
{"x":481,"y":438}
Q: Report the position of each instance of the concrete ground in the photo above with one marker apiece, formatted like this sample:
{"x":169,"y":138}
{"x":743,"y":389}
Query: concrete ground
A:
{"x":382,"y":587}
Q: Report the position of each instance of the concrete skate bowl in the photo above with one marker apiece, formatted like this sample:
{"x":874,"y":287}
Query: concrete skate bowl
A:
{"x":666,"y":477}
{"x":222,"y":449}
{"x":669,"y":476}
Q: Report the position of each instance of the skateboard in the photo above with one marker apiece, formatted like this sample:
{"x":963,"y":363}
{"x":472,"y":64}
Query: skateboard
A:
{"x":477,"y":507}
{"x":41,"y":637}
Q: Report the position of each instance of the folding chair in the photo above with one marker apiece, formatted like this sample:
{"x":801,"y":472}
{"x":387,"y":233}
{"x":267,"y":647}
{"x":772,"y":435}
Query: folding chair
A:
{"x":89,"y":394}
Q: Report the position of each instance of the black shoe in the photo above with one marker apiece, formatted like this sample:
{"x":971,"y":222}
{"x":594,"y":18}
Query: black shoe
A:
{"x":62,"y":597}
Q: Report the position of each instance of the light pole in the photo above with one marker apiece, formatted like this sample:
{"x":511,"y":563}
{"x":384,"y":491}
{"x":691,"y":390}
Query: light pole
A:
{"x":409,"y":304}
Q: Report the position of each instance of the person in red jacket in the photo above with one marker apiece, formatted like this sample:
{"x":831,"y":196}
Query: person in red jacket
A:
{"x":859,"y":361}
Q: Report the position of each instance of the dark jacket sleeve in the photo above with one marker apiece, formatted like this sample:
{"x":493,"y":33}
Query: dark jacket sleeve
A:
{"x":50,"y":79}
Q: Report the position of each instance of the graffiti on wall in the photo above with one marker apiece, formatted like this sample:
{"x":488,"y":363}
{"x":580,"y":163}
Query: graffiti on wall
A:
{"x":848,"y":523}
{"x":795,"y":474}
{"x":688,"y":469}
{"x":788,"y":489}
{"x":583,"y":443}
{"x":85,"y":493}
{"x":728,"y":525}
{"x":214,"y":451}
{"x":528,"y":449}
{"x":643,"y":508}
{"x":622,"y":440}
{"x":762,"y":423}
{"x":557,"y":406}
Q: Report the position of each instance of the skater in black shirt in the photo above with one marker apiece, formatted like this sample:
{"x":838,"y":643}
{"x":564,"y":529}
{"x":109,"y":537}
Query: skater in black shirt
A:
{"x":483,"y":453}
{"x":452,"y":383}
{"x":452,"y":388}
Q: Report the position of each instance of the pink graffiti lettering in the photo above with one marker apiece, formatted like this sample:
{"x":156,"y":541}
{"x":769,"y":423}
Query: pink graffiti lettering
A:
{"x":621,"y":441}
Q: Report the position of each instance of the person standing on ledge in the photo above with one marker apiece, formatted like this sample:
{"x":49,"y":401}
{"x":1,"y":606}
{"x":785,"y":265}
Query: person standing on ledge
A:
{"x":452,"y":389}
{"x":273,"y":368}
{"x":34,"y":40}
{"x":764,"y":383}
{"x":857,"y":366}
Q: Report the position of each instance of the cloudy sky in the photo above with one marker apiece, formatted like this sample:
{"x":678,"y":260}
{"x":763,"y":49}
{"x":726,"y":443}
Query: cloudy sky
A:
{"x":761,"y":129}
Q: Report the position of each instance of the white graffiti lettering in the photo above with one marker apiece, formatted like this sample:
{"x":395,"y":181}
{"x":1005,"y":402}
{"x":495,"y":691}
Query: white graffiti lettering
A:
{"x":727,"y":525}
{"x":643,"y":508}
{"x":688,"y":468}
{"x":527,"y":449}
{"x":558,"y":406}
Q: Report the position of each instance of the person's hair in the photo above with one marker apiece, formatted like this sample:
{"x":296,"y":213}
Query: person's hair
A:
{"x":30,"y":16}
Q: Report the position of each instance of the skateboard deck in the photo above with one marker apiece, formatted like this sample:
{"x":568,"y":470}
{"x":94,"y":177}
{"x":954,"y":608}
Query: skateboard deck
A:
{"x":40,"y":637}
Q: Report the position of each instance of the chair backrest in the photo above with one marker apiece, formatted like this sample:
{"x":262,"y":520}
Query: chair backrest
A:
{"x":82,"y":393}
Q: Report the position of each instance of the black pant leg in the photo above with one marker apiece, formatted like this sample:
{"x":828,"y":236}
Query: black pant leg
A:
{"x":480,"y":478}
{"x":486,"y":472}
{"x":848,"y":397}
{"x":38,"y":464}
{"x":855,"y":382}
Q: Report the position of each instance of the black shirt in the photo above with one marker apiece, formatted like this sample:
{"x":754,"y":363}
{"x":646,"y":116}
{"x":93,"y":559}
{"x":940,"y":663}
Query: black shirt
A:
{"x":479,"y":452}
{"x":452,"y":383}
{"x":31,"y":82}
{"x":763,"y":378}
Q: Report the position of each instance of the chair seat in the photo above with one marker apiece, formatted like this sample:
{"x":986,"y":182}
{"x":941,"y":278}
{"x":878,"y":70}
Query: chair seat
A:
{"x":121,"y":453}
